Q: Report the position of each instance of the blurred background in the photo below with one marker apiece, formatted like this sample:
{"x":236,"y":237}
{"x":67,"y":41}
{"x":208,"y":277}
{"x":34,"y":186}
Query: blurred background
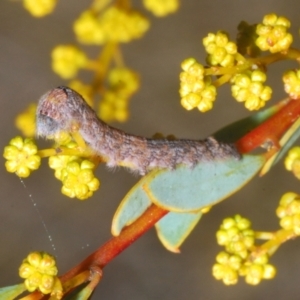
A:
{"x":145,"y":270}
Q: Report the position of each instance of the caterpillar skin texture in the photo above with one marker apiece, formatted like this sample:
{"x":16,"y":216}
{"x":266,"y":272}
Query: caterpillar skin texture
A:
{"x":62,"y":109}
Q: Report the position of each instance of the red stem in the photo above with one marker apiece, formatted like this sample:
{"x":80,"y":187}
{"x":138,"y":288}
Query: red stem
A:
{"x":103,"y":255}
{"x":272,"y":129}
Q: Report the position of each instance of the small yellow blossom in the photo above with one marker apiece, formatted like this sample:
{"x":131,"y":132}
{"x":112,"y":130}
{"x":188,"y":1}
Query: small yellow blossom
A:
{"x":113,"y":107}
{"x":236,"y":235}
{"x":124,"y":80}
{"x":67,"y":60}
{"x":292,"y":161}
{"x":62,"y":138}
{"x":88,"y":29}
{"x":59,"y":162}
{"x":39,"y":271}
{"x":78,"y":180}
{"x":257,"y":270}
{"x":291,"y":80}
{"x":289,"y":212}
{"x":21,"y":156}
{"x":39,"y":8}
{"x":254,"y":274}
{"x":196,"y":90}
{"x":220,"y":50}
{"x":161,"y":8}
{"x":226,"y":268}
{"x":269,"y":271}
{"x":248,"y":87}
{"x":289,"y":203}
{"x":25,"y":121}
{"x":273,"y":35}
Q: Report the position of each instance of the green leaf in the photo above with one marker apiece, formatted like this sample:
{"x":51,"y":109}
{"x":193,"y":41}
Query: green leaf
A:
{"x":131,"y":207}
{"x":174,"y":228}
{"x":81,"y":292}
{"x":188,"y":190}
{"x":11,"y":292}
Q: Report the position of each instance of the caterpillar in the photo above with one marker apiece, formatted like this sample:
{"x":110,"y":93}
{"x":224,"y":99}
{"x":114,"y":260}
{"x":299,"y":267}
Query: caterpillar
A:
{"x":63,"y":109}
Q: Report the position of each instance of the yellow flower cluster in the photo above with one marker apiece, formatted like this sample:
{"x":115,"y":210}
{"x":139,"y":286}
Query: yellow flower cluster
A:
{"x":248,"y":87}
{"x":196,"y":90}
{"x":229,"y":267}
{"x":21,"y":156}
{"x":289,"y":212}
{"x":273,"y":35}
{"x":67,"y":60}
{"x":112,"y":25}
{"x":39,"y":8}
{"x":25,"y":121}
{"x":123,"y":83}
{"x":291,"y":80}
{"x":236,"y":235}
{"x":238,"y":238}
{"x":39,"y":271}
{"x":220,"y":50}
{"x":79,"y":180}
{"x":161,"y":8}
{"x":75,"y":174}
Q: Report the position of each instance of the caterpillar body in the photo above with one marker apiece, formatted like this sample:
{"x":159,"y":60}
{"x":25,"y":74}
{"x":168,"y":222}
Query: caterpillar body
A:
{"x":62,"y":109}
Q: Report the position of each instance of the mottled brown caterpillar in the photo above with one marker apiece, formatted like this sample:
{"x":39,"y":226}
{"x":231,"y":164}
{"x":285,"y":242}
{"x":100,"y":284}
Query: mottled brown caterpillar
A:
{"x":62,"y":109}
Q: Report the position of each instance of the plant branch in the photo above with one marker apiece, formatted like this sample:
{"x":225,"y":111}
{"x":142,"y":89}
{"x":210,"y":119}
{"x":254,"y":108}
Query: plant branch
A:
{"x":103,"y":255}
{"x":271,"y":130}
